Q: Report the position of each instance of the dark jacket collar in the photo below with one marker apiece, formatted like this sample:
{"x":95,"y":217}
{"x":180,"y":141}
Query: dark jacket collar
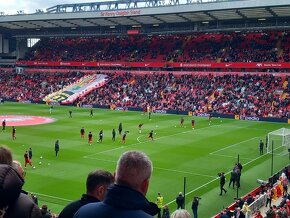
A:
{"x":123,"y":197}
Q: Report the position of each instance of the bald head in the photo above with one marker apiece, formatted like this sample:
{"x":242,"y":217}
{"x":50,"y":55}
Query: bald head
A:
{"x":133,"y":169}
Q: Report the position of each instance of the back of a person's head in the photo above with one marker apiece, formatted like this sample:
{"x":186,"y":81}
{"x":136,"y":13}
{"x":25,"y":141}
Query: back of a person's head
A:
{"x":97,"y":178}
{"x":180,"y":213}
{"x":133,"y":168}
{"x":5,"y":155}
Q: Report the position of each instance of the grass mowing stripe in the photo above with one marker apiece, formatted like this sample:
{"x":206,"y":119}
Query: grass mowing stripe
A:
{"x":114,"y":149}
{"x":232,"y":145}
{"x":229,"y":156}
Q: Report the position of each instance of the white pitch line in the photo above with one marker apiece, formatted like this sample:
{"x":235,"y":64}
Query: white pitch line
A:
{"x":139,"y":138}
{"x":188,"y":193}
{"x":232,"y":145}
{"x":63,"y":199}
{"x":221,"y":155}
{"x":155,"y":139}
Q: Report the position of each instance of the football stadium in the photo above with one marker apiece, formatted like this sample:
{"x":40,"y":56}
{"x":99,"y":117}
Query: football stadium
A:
{"x":201,"y":89}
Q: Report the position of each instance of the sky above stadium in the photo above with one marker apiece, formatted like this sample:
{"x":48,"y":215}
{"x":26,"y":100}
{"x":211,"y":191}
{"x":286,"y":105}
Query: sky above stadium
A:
{"x":30,"y":6}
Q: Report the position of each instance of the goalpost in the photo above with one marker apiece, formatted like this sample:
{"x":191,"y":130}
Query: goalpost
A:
{"x":280,"y":137}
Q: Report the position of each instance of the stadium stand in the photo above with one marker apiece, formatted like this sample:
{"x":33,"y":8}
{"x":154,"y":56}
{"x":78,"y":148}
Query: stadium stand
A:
{"x":269,"y":46}
{"x":247,"y":95}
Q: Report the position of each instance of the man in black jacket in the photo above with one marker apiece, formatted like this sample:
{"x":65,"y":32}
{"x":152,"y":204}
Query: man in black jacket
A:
{"x":126,"y":199}
{"x":222,"y":182}
{"x":13,"y":201}
{"x":97,"y":184}
{"x":180,"y":201}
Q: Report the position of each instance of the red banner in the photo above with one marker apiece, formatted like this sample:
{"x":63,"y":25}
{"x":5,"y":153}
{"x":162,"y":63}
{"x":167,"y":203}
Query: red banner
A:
{"x":234,"y":65}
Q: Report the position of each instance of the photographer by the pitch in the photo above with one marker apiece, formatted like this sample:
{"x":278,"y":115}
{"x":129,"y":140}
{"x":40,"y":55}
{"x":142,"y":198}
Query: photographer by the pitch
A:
{"x":194,"y":206}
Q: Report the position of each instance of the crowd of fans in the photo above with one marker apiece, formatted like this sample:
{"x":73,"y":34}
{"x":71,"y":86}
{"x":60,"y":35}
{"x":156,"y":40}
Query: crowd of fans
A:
{"x":271,"y":46}
{"x":33,"y":87}
{"x":247,"y":95}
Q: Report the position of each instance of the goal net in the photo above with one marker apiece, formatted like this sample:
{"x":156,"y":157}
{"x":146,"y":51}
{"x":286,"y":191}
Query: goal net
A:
{"x":279,"y":138}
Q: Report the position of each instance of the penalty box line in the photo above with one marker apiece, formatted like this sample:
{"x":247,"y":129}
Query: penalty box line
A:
{"x":156,"y":139}
{"x":217,"y":178}
{"x":232,"y":145}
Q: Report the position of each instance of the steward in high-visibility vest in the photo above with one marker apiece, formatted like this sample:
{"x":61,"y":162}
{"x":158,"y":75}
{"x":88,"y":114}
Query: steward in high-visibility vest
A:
{"x":159,"y":203}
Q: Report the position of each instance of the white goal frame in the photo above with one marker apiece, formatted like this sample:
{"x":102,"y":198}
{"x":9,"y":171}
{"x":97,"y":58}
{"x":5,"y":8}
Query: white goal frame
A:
{"x":284,"y":133}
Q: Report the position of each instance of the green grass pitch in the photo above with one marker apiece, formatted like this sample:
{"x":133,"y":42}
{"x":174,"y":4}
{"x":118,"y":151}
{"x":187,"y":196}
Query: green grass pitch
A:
{"x":176,"y":152}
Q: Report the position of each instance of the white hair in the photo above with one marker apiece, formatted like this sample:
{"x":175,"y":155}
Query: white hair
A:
{"x":180,"y":213}
{"x":133,"y":168}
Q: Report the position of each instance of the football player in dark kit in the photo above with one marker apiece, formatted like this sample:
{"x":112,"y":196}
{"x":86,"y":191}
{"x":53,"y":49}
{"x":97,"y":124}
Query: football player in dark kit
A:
{"x":113,"y":135}
{"x":101,"y":134}
{"x":70,"y":114}
{"x":120,"y":128}
{"x":92,"y":113}
{"x":261,"y":147}
{"x":56,"y":147}
{"x":222,"y":182}
{"x":82,"y":132}
{"x":13,"y":133}
{"x":151,"y":135}
{"x":4,"y":126}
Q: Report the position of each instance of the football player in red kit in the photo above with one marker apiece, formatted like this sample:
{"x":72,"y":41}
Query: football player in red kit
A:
{"x":192,"y":123}
{"x":82,"y":132}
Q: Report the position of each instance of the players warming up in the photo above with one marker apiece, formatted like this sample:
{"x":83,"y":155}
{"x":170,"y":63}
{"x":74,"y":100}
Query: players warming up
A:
{"x":101,"y":134}
{"x":56,"y":147}
{"x":261,"y":147}
{"x":192,"y":123}
{"x":90,"y":138}
{"x":26,"y":159}
{"x":149,"y":112}
{"x":50,"y":109}
{"x":209,"y":118}
{"x":82,"y":132}
{"x":140,"y":127}
{"x":120,"y":128}
{"x":124,"y":136}
{"x":13,"y":133}
{"x":4,"y":126}
{"x":181,"y":121}
{"x":113,"y":135}
{"x":150,"y":136}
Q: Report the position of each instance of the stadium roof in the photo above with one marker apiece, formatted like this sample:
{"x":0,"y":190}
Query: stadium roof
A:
{"x":144,"y":12}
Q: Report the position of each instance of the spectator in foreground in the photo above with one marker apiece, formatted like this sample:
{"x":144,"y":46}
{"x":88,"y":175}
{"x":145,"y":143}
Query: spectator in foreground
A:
{"x":165,"y":213}
{"x":180,"y":213}
{"x":13,"y":201}
{"x":126,"y":198}
{"x":45,"y":213}
{"x":97,"y":183}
